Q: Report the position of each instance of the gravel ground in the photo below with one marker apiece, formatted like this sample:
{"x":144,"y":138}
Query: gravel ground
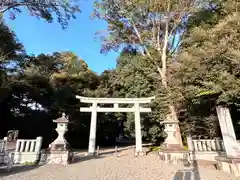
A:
{"x":110,"y":167}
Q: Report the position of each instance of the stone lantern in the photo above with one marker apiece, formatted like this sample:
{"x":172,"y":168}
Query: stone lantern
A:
{"x":172,"y":149}
{"x":171,"y":128}
{"x":60,"y":143}
{"x":59,"y":151}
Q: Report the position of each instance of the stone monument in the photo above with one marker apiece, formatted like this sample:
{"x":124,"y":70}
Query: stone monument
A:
{"x":230,"y":162}
{"x":59,"y":150}
{"x":172,"y":149}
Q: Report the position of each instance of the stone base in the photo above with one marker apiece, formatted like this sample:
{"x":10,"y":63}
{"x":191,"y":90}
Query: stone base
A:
{"x":229,"y":164}
{"x":56,"y":157}
{"x":174,"y":155}
{"x":172,"y":146}
{"x":142,"y":153}
{"x":91,"y":154}
{"x":60,"y":157}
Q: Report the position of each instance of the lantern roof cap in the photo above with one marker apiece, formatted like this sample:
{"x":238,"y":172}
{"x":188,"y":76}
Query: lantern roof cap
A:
{"x":169,"y":120}
{"x":63,"y":119}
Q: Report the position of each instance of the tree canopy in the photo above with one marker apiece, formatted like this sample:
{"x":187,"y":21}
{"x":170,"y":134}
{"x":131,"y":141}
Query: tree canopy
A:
{"x":185,"y":54}
{"x":61,"y":10}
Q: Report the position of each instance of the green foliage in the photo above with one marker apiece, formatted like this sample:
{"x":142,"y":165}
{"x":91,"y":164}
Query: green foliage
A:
{"x":135,"y":76}
{"x":185,"y":148}
{"x":34,"y":90}
{"x":10,"y":46}
{"x":207,"y":68}
{"x":208,"y":62}
{"x":29,"y":163}
{"x":154,"y":148}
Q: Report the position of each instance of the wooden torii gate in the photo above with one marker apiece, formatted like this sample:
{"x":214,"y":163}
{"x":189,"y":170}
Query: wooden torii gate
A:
{"x":94,"y":108}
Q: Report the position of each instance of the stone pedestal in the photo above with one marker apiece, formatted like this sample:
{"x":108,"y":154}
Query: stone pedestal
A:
{"x":173,"y":156}
{"x":56,"y":157}
{"x":229,"y":164}
{"x":60,"y":157}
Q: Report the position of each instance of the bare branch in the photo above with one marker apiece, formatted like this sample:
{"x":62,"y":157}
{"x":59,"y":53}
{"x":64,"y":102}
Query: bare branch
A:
{"x":24,"y":4}
{"x":164,"y":49}
{"x":146,"y":50}
{"x":16,"y":5}
{"x":158,"y":37}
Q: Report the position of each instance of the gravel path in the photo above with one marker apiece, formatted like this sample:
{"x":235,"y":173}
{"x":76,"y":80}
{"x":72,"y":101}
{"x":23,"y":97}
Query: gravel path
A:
{"x":110,"y":167}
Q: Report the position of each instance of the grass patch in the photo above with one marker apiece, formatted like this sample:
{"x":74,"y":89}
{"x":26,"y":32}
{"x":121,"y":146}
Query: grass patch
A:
{"x":29,"y":163}
{"x":185,"y":148}
{"x":154,"y":148}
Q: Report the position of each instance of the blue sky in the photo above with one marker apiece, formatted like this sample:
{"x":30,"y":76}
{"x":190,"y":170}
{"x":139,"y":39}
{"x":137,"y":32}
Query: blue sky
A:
{"x":39,"y":36}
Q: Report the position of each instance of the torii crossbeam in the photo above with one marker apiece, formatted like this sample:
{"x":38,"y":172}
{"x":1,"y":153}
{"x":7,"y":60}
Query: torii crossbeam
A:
{"x":115,"y":101}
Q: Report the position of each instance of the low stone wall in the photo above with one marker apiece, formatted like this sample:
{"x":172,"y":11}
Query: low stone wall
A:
{"x":208,"y":156}
{"x":27,"y":150}
{"x":205,"y":149}
{"x":3,"y":144}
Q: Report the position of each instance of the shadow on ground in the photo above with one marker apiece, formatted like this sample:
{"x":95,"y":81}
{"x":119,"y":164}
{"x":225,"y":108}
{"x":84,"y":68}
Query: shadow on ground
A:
{"x":119,"y":150}
{"x":189,"y":172}
{"x":79,"y":158}
{"x":17,"y":169}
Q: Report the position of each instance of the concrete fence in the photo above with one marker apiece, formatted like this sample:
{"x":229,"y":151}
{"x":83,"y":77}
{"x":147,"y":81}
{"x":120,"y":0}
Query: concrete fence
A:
{"x":27,"y":150}
{"x":2,"y":146}
{"x":205,"y":149}
{"x":2,"y":150}
{"x":207,"y":145}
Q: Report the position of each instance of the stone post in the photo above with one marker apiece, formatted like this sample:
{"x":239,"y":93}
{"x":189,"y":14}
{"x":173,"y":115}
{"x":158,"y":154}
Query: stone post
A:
{"x":190,"y":143}
{"x":138,"y":134}
{"x":38,"y":144}
{"x":218,"y":143}
{"x":93,"y":129}
{"x":228,"y":134}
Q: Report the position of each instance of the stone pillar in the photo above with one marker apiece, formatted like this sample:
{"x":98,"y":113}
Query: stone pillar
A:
{"x":228,"y":134}
{"x":218,"y":144}
{"x":138,"y":134}
{"x":38,"y":144}
{"x":93,"y":129}
{"x":190,"y":143}
{"x":230,"y":162}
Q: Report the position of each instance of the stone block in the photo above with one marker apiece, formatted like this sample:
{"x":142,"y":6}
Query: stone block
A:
{"x":22,"y":157}
{"x":229,"y":164}
{"x":173,"y":156}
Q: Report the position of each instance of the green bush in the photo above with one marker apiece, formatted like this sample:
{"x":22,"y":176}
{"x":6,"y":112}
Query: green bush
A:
{"x":29,"y":163}
{"x":154,"y":148}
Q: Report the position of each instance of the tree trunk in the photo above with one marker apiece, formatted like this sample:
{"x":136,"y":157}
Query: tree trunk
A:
{"x":173,"y":113}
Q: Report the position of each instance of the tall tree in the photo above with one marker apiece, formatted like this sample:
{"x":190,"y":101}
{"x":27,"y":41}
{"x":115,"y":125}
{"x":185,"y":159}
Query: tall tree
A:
{"x":153,"y":27}
{"x":62,"y":10}
{"x":135,"y":76}
{"x":208,"y":61}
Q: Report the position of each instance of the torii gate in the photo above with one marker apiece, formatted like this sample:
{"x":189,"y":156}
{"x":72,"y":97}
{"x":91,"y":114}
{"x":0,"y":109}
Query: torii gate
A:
{"x":115,"y":101}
